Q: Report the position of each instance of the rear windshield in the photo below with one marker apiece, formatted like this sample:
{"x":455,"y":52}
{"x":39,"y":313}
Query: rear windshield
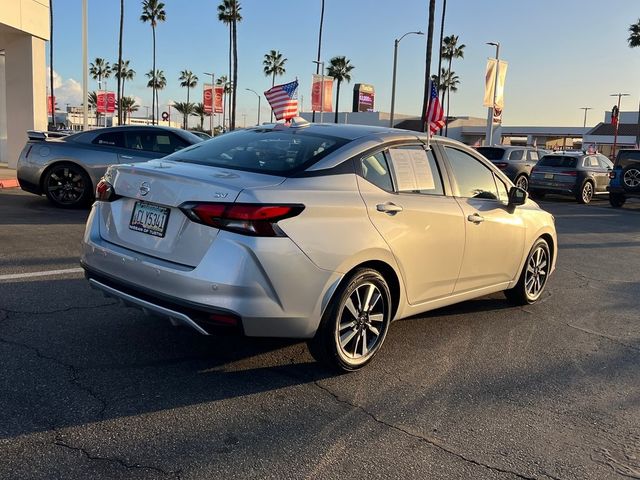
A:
{"x":626,"y":157}
{"x":491,"y":153}
{"x":558,"y":161}
{"x":274,"y":152}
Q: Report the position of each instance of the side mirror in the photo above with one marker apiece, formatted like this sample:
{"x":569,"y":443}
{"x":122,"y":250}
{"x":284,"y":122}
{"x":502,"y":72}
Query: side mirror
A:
{"x":517,"y":196}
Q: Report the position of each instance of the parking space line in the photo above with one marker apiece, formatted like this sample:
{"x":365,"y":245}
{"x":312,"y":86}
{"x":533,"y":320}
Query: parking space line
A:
{"x":17,"y":276}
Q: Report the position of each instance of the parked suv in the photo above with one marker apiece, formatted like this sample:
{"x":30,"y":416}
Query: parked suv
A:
{"x":515,"y":162}
{"x":579,"y":174}
{"x":625,"y":177}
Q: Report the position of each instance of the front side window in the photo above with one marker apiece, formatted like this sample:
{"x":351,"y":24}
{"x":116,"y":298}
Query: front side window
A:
{"x":474,"y":179}
{"x":149,"y":141}
{"x":376,"y":170}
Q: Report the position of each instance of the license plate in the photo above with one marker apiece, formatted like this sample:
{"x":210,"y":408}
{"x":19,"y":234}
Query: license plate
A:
{"x":548,"y":176}
{"x":149,"y":218}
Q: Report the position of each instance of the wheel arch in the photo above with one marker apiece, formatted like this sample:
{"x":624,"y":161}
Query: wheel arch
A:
{"x":62,"y":161}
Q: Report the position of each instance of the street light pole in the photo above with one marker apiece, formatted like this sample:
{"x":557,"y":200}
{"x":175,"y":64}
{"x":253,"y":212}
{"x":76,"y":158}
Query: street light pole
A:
{"x":495,"y":93}
{"x":259,"y":98}
{"x":615,"y":136}
{"x":586,"y":109}
{"x":321,"y":64}
{"x":395,"y":65}
{"x":213,"y":86}
{"x":85,"y":69}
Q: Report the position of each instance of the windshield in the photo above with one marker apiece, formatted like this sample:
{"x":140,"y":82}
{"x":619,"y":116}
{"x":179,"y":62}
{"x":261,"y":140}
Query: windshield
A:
{"x":491,"y":153}
{"x":558,"y":161}
{"x":274,"y":152}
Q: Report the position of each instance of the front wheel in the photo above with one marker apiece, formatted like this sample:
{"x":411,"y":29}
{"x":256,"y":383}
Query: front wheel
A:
{"x":355,"y":323}
{"x":617,"y":200}
{"x":67,"y":185}
{"x":586,"y":193}
{"x":533,"y":277}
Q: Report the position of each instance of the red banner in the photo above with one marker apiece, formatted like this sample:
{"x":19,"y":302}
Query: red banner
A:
{"x":207,"y":98}
{"x":111,"y":102}
{"x":51,"y":102}
{"x":219,"y":95}
{"x":316,"y":93}
{"x":106,"y":102}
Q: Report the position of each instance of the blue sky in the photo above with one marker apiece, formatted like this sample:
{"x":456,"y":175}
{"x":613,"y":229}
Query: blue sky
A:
{"x":562,"y":54}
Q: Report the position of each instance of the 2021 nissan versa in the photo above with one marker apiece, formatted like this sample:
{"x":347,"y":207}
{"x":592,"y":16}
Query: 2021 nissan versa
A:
{"x":320,"y":232}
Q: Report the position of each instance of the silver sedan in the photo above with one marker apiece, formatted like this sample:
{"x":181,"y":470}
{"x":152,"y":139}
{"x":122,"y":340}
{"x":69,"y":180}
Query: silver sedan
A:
{"x":67,"y":168}
{"x":321,"y":232}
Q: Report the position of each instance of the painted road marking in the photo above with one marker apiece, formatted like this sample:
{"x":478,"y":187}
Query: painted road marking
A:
{"x":46,"y":273}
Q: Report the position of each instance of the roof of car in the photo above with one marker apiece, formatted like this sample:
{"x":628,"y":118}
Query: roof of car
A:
{"x":346,"y":131}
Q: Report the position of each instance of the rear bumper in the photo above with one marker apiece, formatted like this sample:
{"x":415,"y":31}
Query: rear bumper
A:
{"x":569,"y":189}
{"x":268,"y":283}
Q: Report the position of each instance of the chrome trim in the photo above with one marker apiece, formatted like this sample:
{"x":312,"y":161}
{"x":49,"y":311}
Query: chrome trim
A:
{"x":171,"y":314}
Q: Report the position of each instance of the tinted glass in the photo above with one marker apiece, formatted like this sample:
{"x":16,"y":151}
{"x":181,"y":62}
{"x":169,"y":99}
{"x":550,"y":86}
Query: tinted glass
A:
{"x":150,"y":141}
{"x":516,"y":155}
{"x":263,"y":151}
{"x":558,"y":161}
{"x":111,"y":139}
{"x":376,"y":170}
{"x":474,"y":179}
{"x":492,"y":153}
{"x":604,"y":161}
{"x":627,"y":157}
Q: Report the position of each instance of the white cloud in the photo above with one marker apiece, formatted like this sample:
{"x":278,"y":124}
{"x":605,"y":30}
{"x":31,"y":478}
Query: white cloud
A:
{"x":66,"y":91}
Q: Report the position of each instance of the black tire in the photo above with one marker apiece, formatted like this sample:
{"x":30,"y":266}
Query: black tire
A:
{"x":333,"y":350}
{"x":523,"y":293}
{"x":67,"y":185}
{"x":631,"y":178}
{"x":586,"y":192}
{"x":617,"y":200}
{"x":522,"y":181}
{"x":537,"y":194}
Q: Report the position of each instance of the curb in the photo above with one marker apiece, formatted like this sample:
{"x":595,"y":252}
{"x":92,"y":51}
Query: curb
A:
{"x":11,"y":183}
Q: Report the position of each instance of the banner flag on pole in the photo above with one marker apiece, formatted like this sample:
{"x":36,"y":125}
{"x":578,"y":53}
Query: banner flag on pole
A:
{"x":218,"y":97}
{"x":316,"y":82}
{"x":207,"y":98}
{"x":489,"y":84}
{"x":283,"y":100}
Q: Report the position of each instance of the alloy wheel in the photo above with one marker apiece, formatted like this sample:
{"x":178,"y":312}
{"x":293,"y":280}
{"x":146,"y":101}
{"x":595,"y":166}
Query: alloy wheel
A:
{"x":361,"y":327}
{"x":537,"y":272}
{"x":587,"y":192}
{"x":66,"y":185}
{"x":632,"y":178}
{"x":522,"y":182}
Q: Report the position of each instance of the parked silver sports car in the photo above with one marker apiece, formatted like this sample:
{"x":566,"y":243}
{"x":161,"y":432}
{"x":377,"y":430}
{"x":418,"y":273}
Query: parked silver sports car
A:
{"x":67,"y":168}
{"x":323,"y":232}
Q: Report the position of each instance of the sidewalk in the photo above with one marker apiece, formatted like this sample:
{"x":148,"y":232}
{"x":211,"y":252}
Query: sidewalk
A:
{"x":7,"y":177}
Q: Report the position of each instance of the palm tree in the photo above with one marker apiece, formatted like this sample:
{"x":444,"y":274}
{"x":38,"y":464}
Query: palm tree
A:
{"x":427,"y":77}
{"x":123,"y":73}
{"x":449,"y":82}
{"x":120,"y":80}
{"x":229,"y":13}
{"x":128,"y":105}
{"x":156,"y":82}
{"x":188,"y":80}
{"x":451,"y":50}
{"x":99,"y":69}
{"x":185,"y":109}
{"x":339,"y":68}
{"x":273,"y":65}
{"x":199,"y":111}
{"x":634,"y":35}
{"x":92,"y":100}
{"x":153,"y":12}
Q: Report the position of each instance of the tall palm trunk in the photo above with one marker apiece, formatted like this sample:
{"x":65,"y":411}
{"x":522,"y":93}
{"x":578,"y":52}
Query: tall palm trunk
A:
{"x":313,"y":115}
{"x":444,"y":11}
{"x":446,"y":120}
{"x":186,"y":119}
{"x":154,"y":90}
{"x":53,"y":103}
{"x":427,"y":78}
{"x":335,"y":119}
{"x":230,"y":78}
{"x":119,"y":77}
{"x":235,"y":73}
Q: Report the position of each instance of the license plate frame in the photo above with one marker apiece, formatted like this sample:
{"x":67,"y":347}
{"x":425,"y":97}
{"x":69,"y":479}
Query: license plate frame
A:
{"x":143,"y":222}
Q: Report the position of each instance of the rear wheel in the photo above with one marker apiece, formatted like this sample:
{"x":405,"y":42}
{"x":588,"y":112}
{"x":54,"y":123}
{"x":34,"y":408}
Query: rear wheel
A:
{"x":617,"y":200}
{"x":67,"y":185}
{"x":522,"y":182}
{"x":355,"y":323}
{"x":586,"y":192}
{"x":631,"y":178}
{"x":533,"y":277}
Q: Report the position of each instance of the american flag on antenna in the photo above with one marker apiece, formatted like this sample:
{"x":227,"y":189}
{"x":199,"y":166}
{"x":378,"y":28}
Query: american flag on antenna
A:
{"x":435,"y":114}
{"x":283,"y":100}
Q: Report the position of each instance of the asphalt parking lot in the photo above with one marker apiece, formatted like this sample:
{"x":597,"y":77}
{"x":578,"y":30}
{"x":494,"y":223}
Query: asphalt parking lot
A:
{"x":481,"y":390}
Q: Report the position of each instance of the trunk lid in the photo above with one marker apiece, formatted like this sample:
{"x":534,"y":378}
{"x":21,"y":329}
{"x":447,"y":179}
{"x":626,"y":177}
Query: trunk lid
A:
{"x":154,"y":190}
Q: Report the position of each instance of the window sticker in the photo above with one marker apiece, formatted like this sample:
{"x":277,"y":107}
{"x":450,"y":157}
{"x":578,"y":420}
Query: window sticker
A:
{"x":412,"y":170}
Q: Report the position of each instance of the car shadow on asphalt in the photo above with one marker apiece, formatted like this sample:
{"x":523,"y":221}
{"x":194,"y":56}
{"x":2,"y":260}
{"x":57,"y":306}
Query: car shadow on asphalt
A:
{"x":14,"y":203}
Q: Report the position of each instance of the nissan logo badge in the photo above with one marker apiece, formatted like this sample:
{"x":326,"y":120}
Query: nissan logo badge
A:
{"x":144,"y":188}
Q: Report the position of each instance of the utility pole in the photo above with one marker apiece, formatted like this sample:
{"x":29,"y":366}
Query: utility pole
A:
{"x":615,"y":136}
{"x":85,"y":70}
{"x":393,"y":80}
{"x":586,"y":109}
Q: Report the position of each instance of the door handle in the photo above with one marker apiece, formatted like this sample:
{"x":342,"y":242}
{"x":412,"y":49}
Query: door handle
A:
{"x":126,"y":157}
{"x":475,"y":218}
{"x":390,"y":208}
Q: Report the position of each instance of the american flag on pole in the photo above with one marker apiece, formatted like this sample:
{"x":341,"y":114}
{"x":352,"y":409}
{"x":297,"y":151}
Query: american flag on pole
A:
{"x":435,"y":114}
{"x":283,"y":100}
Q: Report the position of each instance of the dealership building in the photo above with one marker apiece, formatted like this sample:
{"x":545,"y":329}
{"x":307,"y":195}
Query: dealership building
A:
{"x":24,"y":29}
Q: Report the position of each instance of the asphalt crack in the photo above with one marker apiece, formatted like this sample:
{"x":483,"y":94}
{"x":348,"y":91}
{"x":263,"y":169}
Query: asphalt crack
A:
{"x":119,"y":461}
{"x":430,"y":441}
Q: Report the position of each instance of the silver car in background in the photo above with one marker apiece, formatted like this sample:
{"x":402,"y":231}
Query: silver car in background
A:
{"x":321,"y":232}
{"x":67,"y":168}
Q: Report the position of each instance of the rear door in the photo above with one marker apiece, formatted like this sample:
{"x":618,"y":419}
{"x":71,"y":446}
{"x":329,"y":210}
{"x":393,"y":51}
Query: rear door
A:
{"x":407,"y":203}
{"x":495,"y":235}
{"x":600,"y":173}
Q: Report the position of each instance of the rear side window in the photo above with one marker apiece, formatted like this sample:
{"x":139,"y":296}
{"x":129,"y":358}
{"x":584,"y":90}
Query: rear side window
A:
{"x":110,"y":139}
{"x":415,"y":170}
{"x":276,"y":152}
{"x":591,"y":162}
{"x":533,"y":155}
{"x":376,"y":170}
{"x":516,"y":155}
{"x":558,"y":161}
{"x":491,"y":153}
{"x":474,"y":179}
{"x":605,"y":162}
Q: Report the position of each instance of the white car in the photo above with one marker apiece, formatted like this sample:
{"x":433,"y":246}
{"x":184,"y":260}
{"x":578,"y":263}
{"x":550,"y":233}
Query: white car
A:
{"x":321,"y":232}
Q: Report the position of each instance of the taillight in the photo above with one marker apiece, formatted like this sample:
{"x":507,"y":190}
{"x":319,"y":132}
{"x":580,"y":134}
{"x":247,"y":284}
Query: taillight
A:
{"x":612,"y":174}
{"x":572,"y":173}
{"x":249,"y":219}
{"x":105,"y":191}
{"x":501,"y":165}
